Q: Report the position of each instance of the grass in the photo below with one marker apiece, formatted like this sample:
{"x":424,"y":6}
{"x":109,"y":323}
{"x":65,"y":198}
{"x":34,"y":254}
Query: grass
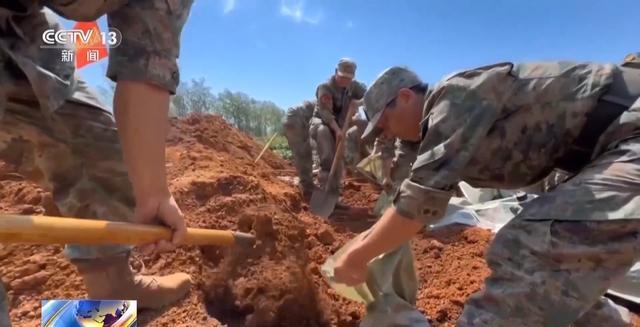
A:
{"x":279,"y":146}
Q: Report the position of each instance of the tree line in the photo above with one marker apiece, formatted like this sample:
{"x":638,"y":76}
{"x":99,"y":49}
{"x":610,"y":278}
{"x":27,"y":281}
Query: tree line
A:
{"x":255,"y":117}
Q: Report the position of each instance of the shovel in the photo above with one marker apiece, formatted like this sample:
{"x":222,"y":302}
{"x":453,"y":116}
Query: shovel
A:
{"x":266,"y":146}
{"x":323,"y":201}
{"x":58,"y":230}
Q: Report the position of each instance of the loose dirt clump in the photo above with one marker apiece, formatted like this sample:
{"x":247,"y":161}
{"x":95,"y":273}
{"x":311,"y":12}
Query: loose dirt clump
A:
{"x":450,"y":269}
{"x":270,"y":284}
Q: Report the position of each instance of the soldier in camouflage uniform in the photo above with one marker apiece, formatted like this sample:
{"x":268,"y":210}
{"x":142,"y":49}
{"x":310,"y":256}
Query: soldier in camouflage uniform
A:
{"x":334,"y":98}
{"x":354,"y":146}
{"x":508,"y":126}
{"x":396,"y":156}
{"x":296,"y":130}
{"x":55,"y":132}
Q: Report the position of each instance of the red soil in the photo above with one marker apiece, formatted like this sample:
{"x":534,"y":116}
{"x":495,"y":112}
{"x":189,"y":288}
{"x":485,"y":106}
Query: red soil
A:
{"x":278,"y":283}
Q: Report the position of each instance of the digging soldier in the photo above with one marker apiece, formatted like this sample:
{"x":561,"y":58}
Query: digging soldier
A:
{"x":296,"y":130}
{"x":55,"y":132}
{"x":356,"y":148}
{"x":508,"y":126}
{"x":333,"y":100}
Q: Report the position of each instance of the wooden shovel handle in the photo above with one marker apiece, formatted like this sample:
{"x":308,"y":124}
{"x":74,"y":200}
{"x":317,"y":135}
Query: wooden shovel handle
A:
{"x":340,"y":146}
{"x":58,"y":230}
{"x":266,"y":146}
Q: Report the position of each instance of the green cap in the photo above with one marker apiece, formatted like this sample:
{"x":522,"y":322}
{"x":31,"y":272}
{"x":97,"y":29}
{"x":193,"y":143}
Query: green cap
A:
{"x":346,"y":68}
{"x":384,"y":89}
{"x":632,"y":60}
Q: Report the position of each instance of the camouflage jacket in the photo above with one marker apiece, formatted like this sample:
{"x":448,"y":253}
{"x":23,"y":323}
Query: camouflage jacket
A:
{"x":300,"y":114}
{"x":340,"y":99}
{"x":504,"y":126}
{"x":149,"y":49}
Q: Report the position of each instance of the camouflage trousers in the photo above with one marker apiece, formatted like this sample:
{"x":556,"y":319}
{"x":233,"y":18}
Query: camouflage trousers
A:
{"x":77,"y":157}
{"x":551,"y":269}
{"x":4,"y":307}
{"x":353,"y":147}
{"x":326,"y":148}
{"x":394,"y":285}
{"x":554,"y":273}
{"x":296,"y":130}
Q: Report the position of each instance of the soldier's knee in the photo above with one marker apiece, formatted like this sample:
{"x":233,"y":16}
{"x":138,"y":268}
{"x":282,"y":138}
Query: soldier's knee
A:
{"x":354,"y":132}
{"x":289,"y":130}
{"x":323,"y":133}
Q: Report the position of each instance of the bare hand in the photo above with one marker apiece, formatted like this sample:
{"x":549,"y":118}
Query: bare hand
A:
{"x":339,"y":135}
{"x":387,"y":185}
{"x":164,"y":211}
{"x":350,"y":269}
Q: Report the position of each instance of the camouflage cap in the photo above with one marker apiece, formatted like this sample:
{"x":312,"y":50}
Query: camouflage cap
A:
{"x":346,"y":68}
{"x":632,"y":60}
{"x":384,"y":89}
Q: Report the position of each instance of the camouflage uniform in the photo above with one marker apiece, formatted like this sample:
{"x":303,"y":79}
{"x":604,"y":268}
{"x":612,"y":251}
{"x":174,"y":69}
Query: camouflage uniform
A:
{"x":396,"y":288}
{"x":508,"y":126}
{"x":296,"y":130}
{"x":353,"y":144}
{"x":323,"y":115}
{"x":4,"y":307}
{"x":397,"y":156}
{"x":54,"y":130}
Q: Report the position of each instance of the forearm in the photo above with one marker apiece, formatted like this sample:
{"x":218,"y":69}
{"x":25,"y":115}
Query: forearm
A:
{"x":357,"y":103}
{"x":326,"y":115}
{"x":141,"y":112}
{"x":390,"y":232}
{"x":334,"y":126}
{"x":386,"y":168}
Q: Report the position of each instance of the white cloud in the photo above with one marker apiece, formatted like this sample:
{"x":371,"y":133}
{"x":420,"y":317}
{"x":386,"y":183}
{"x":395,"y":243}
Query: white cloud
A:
{"x":229,"y":5}
{"x":295,"y":10}
{"x":349,"y":24}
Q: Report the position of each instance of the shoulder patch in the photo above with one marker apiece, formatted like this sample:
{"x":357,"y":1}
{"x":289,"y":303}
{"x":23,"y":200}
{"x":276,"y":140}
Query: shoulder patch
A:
{"x":325,"y":98}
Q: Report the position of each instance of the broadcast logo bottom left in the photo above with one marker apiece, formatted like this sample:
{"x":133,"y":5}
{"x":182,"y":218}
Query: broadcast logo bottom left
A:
{"x":89,"y":313}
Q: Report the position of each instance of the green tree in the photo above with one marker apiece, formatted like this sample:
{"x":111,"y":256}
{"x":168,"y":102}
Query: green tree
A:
{"x":254,"y":117}
{"x":194,"y":97}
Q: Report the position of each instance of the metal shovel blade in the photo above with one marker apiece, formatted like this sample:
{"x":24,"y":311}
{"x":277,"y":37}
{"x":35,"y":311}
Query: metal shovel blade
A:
{"x":324,"y":202}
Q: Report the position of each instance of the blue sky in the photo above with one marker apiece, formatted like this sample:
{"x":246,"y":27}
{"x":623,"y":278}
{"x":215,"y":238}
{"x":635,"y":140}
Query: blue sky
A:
{"x":279,"y":50}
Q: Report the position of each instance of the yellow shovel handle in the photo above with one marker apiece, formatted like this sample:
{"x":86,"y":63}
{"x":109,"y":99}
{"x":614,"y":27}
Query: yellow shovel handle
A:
{"x":58,"y":230}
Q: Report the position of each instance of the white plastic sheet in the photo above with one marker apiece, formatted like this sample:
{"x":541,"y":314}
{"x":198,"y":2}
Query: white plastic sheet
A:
{"x":473,"y":211}
{"x":490,"y":215}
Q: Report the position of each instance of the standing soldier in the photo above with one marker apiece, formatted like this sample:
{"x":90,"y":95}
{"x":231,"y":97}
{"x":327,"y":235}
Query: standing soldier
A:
{"x":508,"y":126}
{"x":334,"y":98}
{"x":296,"y":130}
{"x":55,"y":132}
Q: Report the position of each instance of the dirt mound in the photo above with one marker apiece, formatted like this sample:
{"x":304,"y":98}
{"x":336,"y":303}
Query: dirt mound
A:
{"x":213,"y":177}
{"x":451,"y":267}
{"x":242,"y":294}
{"x":31,"y":273}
